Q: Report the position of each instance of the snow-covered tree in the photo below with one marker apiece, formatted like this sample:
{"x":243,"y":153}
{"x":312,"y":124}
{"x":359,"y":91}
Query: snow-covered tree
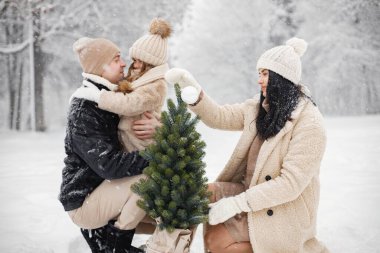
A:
{"x":340,"y":65}
{"x":13,"y":52}
{"x":283,"y":22}
{"x":28,"y":24}
{"x":56,"y":25}
{"x":221,"y":43}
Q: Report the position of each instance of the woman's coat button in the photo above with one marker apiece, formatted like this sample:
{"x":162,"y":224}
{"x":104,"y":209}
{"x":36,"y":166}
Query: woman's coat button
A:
{"x":270,"y":212}
{"x":268,"y":177}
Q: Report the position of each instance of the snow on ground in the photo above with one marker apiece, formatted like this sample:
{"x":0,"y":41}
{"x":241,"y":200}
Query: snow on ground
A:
{"x":33,"y":220}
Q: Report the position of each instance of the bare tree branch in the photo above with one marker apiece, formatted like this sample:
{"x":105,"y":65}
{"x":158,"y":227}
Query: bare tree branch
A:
{"x":57,"y":28}
{"x":14,"y":48}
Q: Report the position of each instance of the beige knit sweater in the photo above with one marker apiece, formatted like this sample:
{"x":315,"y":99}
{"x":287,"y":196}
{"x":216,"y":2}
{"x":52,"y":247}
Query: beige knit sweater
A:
{"x":149,"y":92}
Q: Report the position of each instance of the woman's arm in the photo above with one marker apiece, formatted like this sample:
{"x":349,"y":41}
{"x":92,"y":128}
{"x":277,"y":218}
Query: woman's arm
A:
{"x":226,"y":117}
{"x":146,"y":98}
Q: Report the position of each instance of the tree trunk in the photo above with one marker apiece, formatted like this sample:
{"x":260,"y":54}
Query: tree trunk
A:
{"x":12,"y":92}
{"x":39,"y":67}
{"x":11,"y":69}
{"x":14,"y":65}
{"x":19,"y":94}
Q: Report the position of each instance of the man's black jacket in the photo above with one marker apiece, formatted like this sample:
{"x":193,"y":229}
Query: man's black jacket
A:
{"x":93,"y":151}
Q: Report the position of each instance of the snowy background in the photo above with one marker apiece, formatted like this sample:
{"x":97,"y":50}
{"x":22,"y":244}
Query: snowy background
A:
{"x":219,"y":41}
{"x":33,"y":221}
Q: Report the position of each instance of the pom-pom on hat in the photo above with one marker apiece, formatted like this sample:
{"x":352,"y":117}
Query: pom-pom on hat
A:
{"x":94,"y":54}
{"x":285,"y":60}
{"x":153,"y":47}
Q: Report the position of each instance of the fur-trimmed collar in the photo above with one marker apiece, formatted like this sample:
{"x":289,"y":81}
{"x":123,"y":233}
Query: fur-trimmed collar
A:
{"x":152,"y":75}
{"x":82,"y":92}
{"x":99,"y":80}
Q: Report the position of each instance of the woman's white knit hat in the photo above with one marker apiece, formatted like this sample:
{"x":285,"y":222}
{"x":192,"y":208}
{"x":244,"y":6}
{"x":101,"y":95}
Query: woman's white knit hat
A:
{"x":153,"y":48}
{"x":285,"y":60}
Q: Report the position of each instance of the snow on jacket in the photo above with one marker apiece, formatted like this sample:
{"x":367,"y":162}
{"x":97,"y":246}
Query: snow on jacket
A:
{"x":149,"y":92}
{"x":93,"y":151}
{"x":284,"y":190}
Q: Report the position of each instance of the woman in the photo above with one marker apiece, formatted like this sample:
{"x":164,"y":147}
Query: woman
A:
{"x":266,"y":198}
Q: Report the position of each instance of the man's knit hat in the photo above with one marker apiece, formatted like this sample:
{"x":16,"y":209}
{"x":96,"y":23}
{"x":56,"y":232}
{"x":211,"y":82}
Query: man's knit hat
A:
{"x":153,"y":48}
{"x":285,"y":60}
{"x":94,"y":54}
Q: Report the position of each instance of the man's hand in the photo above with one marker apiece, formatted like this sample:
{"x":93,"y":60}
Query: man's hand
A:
{"x":145,"y":128}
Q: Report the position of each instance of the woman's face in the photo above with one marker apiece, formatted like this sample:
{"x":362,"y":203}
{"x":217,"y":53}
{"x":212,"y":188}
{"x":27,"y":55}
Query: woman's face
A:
{"x":137,"y":64}
{"x":263,"y":80}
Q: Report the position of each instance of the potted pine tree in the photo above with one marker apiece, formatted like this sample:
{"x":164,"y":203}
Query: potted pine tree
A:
{"x":174,"y":192}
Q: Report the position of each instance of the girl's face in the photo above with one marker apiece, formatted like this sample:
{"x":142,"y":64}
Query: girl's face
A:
{"x":263,"y":80}
{"x":137,"y":64}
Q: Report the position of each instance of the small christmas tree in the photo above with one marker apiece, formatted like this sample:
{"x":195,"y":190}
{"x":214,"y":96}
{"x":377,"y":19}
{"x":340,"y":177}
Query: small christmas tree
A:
{"x":175,"y":189}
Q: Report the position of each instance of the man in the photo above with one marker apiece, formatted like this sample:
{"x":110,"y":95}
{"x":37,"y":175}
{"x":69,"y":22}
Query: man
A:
{"x":97,"y":176}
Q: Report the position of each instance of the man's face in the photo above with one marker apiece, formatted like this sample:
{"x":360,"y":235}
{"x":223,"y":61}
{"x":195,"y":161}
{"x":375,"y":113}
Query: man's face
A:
{"x":114,"y":71}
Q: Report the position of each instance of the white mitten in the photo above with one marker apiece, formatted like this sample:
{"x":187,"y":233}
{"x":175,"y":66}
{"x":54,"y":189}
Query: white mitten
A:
{"x":88,"y":93}
{"x":227,"y":208}
{"x":182,"y":77}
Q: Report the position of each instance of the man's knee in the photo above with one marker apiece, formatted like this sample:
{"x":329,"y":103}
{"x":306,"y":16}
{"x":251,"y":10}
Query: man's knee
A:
{"x":83,"y":221}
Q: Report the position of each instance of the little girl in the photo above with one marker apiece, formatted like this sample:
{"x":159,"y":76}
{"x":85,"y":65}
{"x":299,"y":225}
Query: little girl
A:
{"x":144,"y":88}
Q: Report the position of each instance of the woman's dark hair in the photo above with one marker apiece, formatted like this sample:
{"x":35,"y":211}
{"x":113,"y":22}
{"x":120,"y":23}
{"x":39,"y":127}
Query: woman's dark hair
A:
{"x":283,"y":96}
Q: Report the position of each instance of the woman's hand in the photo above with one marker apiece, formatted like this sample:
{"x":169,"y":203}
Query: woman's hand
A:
{"x":190,"y":87}
{"x":146,"y":128}
{"x":227,"y":208}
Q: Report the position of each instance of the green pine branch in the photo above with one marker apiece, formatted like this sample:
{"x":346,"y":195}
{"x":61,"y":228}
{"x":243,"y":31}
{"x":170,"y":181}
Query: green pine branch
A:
{"x":175,"y":188}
